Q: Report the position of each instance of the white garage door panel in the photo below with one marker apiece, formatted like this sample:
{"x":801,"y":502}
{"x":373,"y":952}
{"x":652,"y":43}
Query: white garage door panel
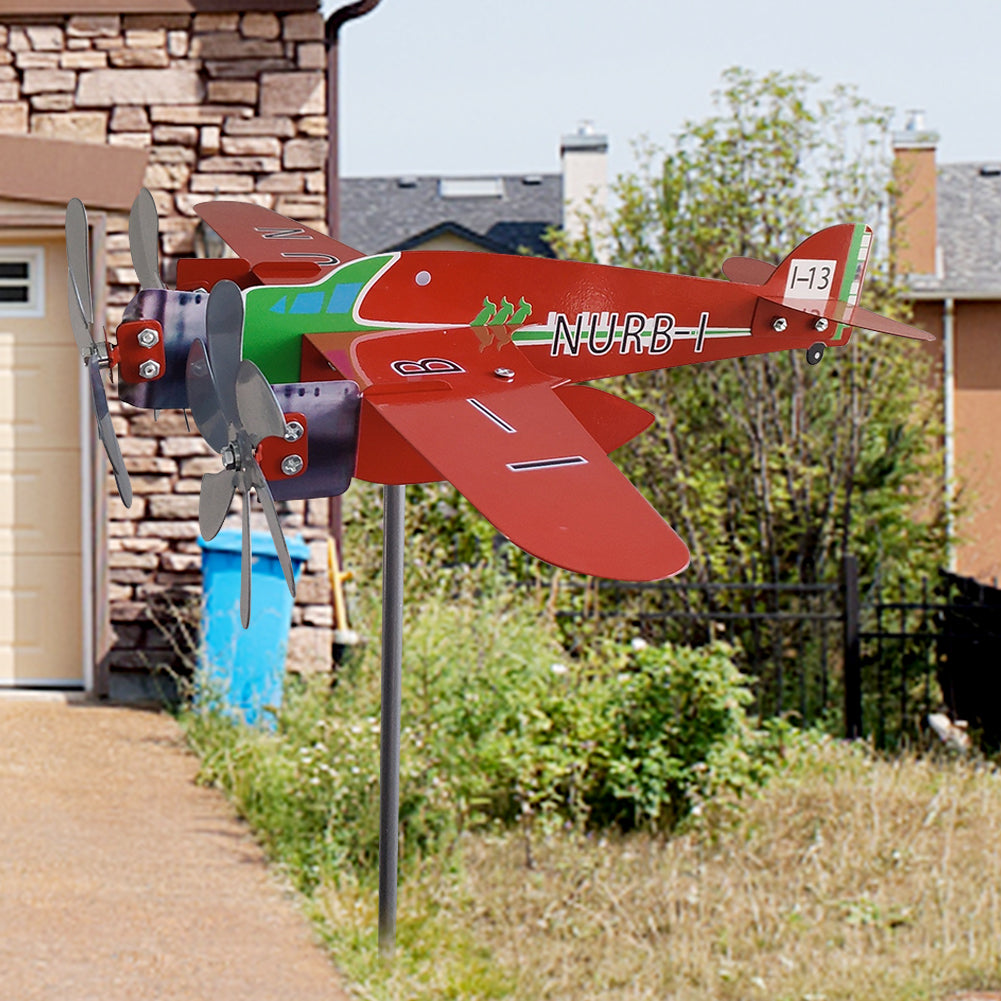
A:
{"x":39,"y":637}
{"x":38,"y":394}
{"x":33,"y":491}
{"x":41,"y":554}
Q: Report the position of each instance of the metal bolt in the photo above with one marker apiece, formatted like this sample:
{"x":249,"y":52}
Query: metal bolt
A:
{"x":820,"y":324}
{"x":294,"y":431}
{"x":504,"y":373}
{"x":147,"y":337}
{"x":149,"y":369}
{"x":292,"y":464}
{"x":779,"y":324}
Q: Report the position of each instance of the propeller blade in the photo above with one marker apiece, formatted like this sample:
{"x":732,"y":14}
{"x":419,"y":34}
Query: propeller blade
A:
{"x":263,"y":491}
{"x":214,"y":501}
{"x":245,"y":561}
{"x":144,"y":240}
{"x":257,"y":406}
{"x":224,"y":331}
{"x":78,"y":259}
{"x":204,"y":398}
{"x":81,"y":328}
{"x":106,"y":432}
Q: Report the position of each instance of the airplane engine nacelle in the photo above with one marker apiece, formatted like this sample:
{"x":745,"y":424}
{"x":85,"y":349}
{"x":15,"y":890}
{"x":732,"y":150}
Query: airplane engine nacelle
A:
{"x":317,"y":456}
{"x":181,"y":318}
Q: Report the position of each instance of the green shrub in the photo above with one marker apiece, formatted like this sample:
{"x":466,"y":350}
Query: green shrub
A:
{"x":500,"y":726}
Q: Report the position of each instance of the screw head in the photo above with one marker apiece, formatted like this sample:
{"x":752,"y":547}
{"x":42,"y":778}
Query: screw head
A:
{"x":149,"y":369}
{"x":504,"y":373}
{"x":292,"y":464}
{"x":294,"y":431}
{"x":147,"y":337}
{"x":779,"y":324}
{"x":820,"y":324}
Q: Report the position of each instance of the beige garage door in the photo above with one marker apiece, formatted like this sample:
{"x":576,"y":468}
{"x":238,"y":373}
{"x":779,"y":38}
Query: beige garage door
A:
{"x":41,"y":566}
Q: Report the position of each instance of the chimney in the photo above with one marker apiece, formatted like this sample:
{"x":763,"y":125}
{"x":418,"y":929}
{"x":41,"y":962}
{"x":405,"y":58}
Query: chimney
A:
{"x":916,"y":208}
{"x":584,"y":164}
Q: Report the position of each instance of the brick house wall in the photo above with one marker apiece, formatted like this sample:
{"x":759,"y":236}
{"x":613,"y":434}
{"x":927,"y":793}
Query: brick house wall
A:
{"x":226,"y":104}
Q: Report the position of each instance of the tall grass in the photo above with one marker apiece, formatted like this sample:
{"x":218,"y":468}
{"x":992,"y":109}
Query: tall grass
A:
{"x":851,"y":876}
{"x":847,"y":875}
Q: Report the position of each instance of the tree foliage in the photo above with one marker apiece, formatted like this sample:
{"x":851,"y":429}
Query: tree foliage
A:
{"x":766,"y":465}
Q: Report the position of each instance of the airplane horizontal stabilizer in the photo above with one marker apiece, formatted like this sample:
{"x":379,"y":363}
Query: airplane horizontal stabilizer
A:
{"x":747,"y":270}
{"x":867,"y":320}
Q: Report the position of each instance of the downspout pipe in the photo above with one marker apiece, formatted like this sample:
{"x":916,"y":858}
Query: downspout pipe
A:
{"x":333,"y":27}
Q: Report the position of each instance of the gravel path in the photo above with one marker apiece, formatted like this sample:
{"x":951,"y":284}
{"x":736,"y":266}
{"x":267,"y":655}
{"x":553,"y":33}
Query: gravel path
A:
{"x":121,"y":880}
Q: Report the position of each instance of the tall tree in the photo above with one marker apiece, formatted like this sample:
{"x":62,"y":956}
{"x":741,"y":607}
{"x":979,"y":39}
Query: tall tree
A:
{"x":765,"y":464}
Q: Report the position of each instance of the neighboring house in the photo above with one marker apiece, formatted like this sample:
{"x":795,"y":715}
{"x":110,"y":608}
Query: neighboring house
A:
{"x":193,"y":99}
{"x":951,"y":229}
{"x":500,"y":214}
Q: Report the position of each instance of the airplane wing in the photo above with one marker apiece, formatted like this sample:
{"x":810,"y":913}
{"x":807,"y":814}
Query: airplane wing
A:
{"x":492,"y":424}
{"x":277,"y":249}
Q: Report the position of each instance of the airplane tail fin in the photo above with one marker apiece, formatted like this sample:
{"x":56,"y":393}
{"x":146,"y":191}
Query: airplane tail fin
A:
{"x":823,"y":278}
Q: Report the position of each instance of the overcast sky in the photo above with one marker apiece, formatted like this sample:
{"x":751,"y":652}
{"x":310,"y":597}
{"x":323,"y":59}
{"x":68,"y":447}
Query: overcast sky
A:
{"x":488,"y":86}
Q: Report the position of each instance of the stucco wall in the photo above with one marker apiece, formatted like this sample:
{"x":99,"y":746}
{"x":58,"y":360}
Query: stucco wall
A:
{"x":978,"y":447}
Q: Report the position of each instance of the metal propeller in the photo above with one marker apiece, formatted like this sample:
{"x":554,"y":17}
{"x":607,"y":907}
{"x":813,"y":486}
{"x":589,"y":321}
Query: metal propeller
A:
{"x":144,"y":240}
{"x":95,"y":353}
{"x":235,"y":409}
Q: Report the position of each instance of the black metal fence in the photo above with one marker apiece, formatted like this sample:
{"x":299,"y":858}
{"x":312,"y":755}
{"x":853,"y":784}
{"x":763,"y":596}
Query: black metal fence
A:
{"x":868,"y":664}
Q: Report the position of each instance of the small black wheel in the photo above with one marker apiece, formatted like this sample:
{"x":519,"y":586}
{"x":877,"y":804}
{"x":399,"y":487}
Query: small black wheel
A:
{"x":814,"y":353}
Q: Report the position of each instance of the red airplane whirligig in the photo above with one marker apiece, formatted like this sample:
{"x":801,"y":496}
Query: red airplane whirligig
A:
{"x":306,"y":363}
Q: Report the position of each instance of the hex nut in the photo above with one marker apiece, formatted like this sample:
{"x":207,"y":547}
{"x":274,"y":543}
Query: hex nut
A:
{"x":149,"y":369}
{"x":779,"y":324}
{"x":147,"y":337}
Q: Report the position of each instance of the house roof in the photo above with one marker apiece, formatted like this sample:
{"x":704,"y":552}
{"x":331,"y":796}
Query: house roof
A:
{"x":969,"y":233}
{"x":509,"y":213}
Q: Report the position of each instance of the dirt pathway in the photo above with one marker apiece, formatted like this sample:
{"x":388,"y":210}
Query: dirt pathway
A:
{"x":121,"y":880}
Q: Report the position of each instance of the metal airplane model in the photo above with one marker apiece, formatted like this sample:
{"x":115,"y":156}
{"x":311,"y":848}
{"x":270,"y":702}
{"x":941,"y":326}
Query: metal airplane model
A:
{"x":306,"y":363}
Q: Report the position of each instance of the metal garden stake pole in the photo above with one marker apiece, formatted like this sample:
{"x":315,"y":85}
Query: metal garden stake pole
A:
{"x":392,"y":676}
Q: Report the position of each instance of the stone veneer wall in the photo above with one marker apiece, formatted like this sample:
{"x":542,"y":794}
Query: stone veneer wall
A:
{"x":227,"y":104}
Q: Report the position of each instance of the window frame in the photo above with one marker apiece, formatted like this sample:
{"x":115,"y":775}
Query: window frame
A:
{"x":34,"y":257}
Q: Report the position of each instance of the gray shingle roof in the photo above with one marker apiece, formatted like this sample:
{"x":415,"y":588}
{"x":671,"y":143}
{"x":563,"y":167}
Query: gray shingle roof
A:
{"x":382,"y":213}
{"x":969,"y":231}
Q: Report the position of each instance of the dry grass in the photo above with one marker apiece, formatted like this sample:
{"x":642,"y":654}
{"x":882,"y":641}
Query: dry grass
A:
{"x":850,"y":877}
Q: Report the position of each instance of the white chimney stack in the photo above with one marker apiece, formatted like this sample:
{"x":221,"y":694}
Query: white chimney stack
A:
{"x":584,"y":163}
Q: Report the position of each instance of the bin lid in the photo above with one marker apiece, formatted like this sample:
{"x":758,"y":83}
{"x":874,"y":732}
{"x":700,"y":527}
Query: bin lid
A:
{"x":230,"y":540}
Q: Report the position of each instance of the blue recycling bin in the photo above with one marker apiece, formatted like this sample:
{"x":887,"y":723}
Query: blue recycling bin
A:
{"x":244,"y":669}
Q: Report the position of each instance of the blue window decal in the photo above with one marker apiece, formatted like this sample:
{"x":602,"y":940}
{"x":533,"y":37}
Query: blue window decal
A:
{"x":307,"y":302}
{"x":279,"y":306}
{"x":343,"y":297}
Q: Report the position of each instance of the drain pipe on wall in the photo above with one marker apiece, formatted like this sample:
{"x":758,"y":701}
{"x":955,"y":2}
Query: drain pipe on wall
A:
{"x":949,"y":406}
{"x":333,"y":28}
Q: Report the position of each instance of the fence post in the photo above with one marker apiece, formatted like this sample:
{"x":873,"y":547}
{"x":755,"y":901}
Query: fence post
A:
{"x":853,"y":650}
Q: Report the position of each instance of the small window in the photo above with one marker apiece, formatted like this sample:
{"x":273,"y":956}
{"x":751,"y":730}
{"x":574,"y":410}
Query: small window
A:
{"x":22,"y":288}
